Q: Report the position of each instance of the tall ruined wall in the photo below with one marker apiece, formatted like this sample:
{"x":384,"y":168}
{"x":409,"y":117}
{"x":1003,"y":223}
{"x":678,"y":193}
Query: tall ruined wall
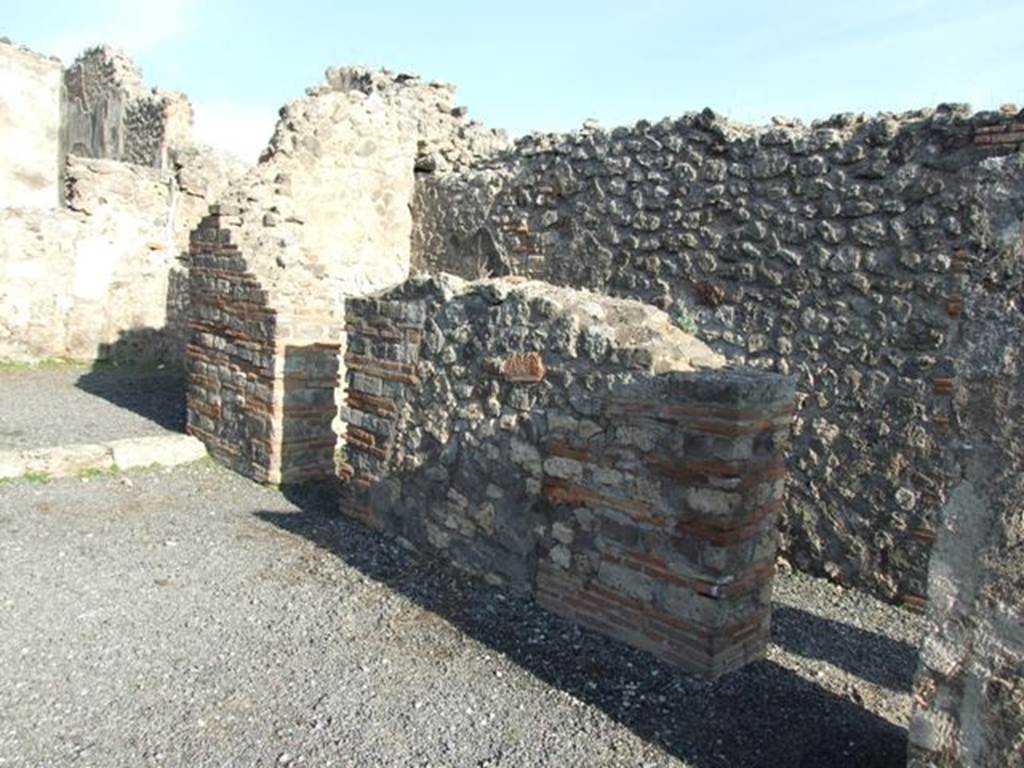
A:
{"x":445,"y":139}
{"x":970,"y":683}
{"x":108,"y":112}
{"x":325,"y":215}
{"x":550,"y":440}
{"x":826,"y":251}
{"x":30,"y":98}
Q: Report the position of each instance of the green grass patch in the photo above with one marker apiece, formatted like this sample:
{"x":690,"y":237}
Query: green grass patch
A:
{"x":49,"y":364}
{"x":36,"y":477}
{"x":97,"y":472}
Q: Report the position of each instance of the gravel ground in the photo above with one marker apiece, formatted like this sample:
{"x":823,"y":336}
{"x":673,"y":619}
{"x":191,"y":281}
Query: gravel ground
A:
{"x":43,"y":407}
{"x":187,"y":617}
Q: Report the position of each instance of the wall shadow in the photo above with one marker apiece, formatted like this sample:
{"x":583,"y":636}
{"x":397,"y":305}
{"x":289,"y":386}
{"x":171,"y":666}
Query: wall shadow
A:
{"x":763,"y":715}
{"x":868,"y":655}
{"x":137,"y":373}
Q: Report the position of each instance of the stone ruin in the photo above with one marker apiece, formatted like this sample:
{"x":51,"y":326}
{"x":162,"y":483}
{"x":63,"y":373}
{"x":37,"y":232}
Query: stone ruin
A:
{"x":100,"y":185}
{"x":582,"y":365}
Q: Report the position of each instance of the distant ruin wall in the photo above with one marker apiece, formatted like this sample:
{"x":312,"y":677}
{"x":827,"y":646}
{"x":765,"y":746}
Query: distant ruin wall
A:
{"x":829,"y":252}
{"x":103,"y":277}
{"x":109,"y":113}
{"x":552,"y":441}
{"x":30,"y":104}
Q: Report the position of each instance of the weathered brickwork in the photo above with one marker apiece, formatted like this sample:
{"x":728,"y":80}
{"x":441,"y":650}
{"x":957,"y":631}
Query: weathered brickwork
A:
{"x":831,"y":251}
{"x":550,"y":440}
{"x":262,"y":381}
{"x":681,"y":567}
{"x":1002,"y":137}
{"x":325,"y":215}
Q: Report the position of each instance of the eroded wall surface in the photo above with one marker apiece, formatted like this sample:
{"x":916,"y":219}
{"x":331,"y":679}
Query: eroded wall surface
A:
{"x":827,"y":251}
{"x":970,"y":683}
{"x":577,"y":447}
{"x":74,"y":280}
{"x":30,"y":110}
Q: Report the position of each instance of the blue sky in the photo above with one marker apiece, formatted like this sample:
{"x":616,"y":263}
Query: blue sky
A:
{"x":530,"y":65}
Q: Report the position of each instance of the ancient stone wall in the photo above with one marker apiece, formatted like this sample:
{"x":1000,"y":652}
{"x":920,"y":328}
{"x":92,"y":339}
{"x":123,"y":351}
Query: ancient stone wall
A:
{"x":30,"y":99}
{"x":970,"y":683}
{"x":101,"y":278}
{"x":826,"y":251}
{"x":446,"y":139}
{"x":561,"y":443}
{"x":108,"y":112}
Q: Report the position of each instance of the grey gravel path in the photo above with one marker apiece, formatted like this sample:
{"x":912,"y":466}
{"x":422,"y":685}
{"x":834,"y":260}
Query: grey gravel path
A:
{"x":187,"y":617}
{"x":45,"y":407}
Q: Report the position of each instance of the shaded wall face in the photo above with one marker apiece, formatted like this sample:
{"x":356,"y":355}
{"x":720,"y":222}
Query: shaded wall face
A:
{"x":970,"y":684}
{"x":830,"y":253}
{"x":230,"y":358}
{"x":30,"y":110}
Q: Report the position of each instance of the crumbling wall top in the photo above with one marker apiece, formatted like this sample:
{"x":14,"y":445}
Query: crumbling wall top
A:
{"x":100,"y":70}
{"x":638,"y":334}
{"x":447,"y":139}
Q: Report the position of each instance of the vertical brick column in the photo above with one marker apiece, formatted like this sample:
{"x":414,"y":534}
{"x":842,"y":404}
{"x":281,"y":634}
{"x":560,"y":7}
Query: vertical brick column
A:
{"x":306,"y":386}
{"x":664,"y":525}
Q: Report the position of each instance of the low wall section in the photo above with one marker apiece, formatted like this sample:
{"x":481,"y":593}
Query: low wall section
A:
{"x":576,"y":447}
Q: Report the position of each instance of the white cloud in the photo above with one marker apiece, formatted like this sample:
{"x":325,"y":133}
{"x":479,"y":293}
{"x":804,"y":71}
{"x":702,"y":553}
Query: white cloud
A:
{"x":136,"y":26}
{"x":241,"y":129}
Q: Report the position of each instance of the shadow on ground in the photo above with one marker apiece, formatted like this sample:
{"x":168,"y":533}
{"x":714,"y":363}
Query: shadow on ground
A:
{"x":879,"y":659}
{"x":141,"y":373}
{"x":156,"y":394}
{"x":764,"y":715}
